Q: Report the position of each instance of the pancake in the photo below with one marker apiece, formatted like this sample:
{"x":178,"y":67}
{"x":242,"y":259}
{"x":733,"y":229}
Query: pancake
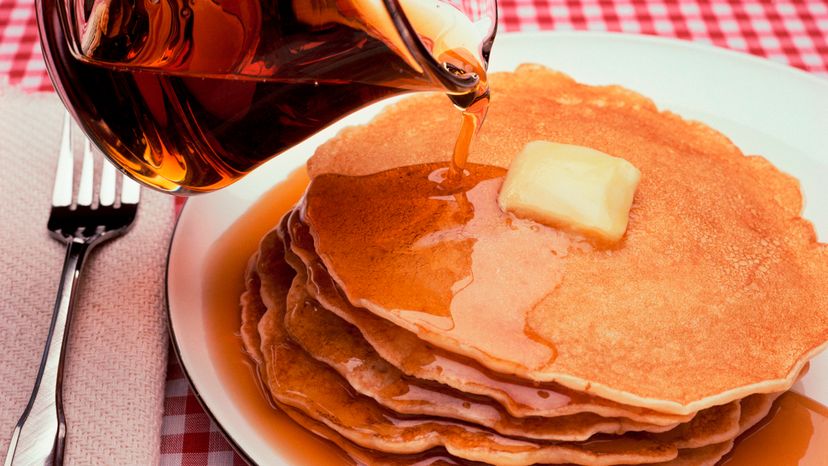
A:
{"x":417,"y":359}
{"x":329,"y":339}
{"x":275,"y":274}
{"x":295,"y":379}
{"x":268,"y":271}
{"x":252,"y":310}
{"x":435,"y":457}
{"x":685,"y":314}
{"x":704,"y":456}
{"x":754,"y":408}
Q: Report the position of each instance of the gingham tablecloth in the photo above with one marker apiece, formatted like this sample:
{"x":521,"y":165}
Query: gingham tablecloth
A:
{"x":790,"y":32}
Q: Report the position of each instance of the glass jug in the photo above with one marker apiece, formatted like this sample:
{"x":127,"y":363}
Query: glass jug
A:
{"x":187,"y":96}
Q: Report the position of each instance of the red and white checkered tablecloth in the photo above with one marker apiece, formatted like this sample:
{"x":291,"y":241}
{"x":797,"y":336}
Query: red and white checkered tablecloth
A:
{"x":793,"y":32}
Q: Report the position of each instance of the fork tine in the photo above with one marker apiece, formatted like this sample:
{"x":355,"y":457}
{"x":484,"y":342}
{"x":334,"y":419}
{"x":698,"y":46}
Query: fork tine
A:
{"x":62,"y":192}
{"x":130,"y":191}
{"x":107,"y":194}
{"x":85,"y":188}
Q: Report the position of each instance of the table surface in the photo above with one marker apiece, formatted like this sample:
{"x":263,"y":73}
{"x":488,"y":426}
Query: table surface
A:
{"x":789,"y":32}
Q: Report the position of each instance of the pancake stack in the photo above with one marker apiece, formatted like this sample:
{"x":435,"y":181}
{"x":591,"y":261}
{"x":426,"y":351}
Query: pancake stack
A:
{"x":408,"y":320}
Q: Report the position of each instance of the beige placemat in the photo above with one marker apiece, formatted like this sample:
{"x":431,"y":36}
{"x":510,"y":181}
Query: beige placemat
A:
{"x":116,"y":362}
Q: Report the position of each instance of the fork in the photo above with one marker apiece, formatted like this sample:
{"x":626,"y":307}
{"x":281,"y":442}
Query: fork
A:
{"x":40,"y":434}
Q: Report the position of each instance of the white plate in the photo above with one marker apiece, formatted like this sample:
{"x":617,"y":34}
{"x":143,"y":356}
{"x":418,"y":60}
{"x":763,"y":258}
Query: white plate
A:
{"x":765,"y":108}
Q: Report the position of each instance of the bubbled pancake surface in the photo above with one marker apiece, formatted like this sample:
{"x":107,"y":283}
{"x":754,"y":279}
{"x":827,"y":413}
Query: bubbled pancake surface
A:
{"x":685,"y":314}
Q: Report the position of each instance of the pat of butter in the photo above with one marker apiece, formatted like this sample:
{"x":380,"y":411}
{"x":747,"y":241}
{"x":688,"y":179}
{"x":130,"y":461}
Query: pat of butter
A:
{"x":571,"y":187}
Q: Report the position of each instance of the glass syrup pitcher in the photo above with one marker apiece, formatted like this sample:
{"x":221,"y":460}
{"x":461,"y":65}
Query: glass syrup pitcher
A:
{"x":187,"y":96}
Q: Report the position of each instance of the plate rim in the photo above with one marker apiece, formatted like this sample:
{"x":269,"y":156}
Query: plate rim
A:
{"x":705,"y":47}
{"x":191,"y":385}
{"x":683,"y":43}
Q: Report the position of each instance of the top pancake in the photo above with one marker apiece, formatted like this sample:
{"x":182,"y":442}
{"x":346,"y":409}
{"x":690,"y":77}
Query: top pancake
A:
{"x":716,"y":292}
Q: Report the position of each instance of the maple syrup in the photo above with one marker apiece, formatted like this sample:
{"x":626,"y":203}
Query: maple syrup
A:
{"x":188,"y":96}
{"x":447,"y":243}
{"x":795,"y":432}
{"x":228,"y":258}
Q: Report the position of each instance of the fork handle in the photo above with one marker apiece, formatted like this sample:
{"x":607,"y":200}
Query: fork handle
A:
{"x":40,"y":434}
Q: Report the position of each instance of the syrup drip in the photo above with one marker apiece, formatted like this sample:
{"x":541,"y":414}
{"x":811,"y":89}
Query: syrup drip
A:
{"x":473,"y":117}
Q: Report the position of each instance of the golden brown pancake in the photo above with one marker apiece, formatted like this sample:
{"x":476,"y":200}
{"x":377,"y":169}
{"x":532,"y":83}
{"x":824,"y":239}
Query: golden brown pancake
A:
{"x":754,"y":408}
{"x":331,"y":340}
{"x":275,"y":274}
{"x":435,"y":457}
{"x":252,"y":311}
{"x":351,"y":338}
{"x":267,"y":270}
{"x":297,"y":380}
{"x":704,"y":456}
{"x":683,"y":315}
{"x":294,"y":378}
{"x":418,"y":359}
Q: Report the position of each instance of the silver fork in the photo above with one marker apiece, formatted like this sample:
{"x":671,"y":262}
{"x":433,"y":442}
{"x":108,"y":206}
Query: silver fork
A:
{"x":40,"y":434}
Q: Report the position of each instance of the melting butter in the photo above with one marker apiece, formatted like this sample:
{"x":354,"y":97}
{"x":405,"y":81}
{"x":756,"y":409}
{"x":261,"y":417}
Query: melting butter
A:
{"x":571,"y":187}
